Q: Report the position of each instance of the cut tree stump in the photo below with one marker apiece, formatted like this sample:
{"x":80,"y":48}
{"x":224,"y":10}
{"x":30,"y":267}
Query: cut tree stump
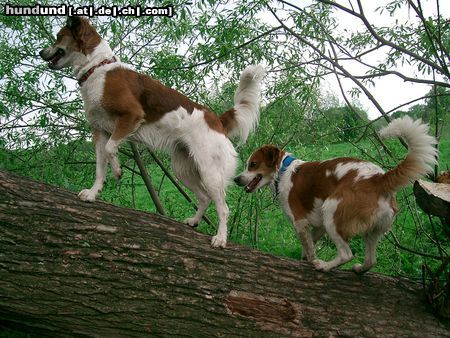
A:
{"x":70,"y":268}
{"x":433,"y":198}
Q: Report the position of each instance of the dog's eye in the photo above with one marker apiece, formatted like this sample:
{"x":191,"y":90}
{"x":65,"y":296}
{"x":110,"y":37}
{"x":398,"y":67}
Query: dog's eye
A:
{"x":252,"y":165}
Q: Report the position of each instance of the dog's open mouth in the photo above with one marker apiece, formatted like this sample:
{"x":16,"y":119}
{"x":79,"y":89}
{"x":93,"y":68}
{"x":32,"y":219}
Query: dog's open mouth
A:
{"x":253,"y":183}
{"x":56,"y":57}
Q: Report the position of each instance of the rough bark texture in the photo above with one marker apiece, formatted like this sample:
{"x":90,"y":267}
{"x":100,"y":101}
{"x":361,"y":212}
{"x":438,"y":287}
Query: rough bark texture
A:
{"x":73,"y":268}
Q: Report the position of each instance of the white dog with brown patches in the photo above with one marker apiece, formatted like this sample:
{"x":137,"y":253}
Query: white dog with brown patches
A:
{"x":342,"y":197}
{"x":120,"y":103}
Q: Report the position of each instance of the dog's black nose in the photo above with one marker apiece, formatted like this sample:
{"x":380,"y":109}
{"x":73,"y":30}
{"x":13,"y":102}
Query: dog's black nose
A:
{"x":237,"y":180}
{"x":41,"y":53}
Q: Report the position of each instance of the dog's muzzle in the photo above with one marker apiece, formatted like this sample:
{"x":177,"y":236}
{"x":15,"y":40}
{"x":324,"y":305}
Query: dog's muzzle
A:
{"x":239,"y":181}
{"x":52,"y":58}
{"x":249,"y":186}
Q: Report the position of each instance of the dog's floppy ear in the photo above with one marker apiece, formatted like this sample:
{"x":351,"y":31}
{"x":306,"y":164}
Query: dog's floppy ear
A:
{"x":73,"y":23}
{"x":271,"y":155}
{"x":84,"y":34}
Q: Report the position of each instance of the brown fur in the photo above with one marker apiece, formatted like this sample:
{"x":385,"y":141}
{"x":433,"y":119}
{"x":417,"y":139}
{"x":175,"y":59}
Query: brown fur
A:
{"x":146,"y":100}
{"x":84,"y":35}
{"x":228,"y":120}
{"x":355,"y":211}
{"x":266,"y":159}
{"x":400,"y":176}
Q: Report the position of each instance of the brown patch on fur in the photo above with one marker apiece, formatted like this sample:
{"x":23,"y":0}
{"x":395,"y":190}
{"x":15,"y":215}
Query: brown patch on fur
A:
{"x":127,"y":91}
{"x":265,"y":160}
{"x":310,"y":182}
{"x":228,"y":120}
{"x":83,"y":33}
{"x":400,"y":175}
{"x":65,"y":38}
{"x":358,"y":205}
{"x":214,"y":122}
{"x":137,"y":98}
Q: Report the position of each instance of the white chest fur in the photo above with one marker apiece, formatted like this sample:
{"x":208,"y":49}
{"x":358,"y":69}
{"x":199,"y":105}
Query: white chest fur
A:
{"x":92,"y":93}
{"x":285,"y":186}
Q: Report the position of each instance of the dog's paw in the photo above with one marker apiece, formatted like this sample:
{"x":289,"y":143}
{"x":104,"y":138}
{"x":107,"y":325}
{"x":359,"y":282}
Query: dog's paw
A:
{"x":192,"y":222}
{"x":320,"y":265}
{"x":359,"y":268}
{"x":87,"y":195}
{"x":219,"y":241}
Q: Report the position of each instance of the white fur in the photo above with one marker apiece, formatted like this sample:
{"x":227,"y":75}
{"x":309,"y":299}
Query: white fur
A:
{"x":383,"y":216}
{"x":364,"y":170}
{"x":315,"y":217}
{"x":246,"y":102}
{"x":285,"y":185}
{"x":92,"y":89}
{"x":89,"y":195}
{"x":101,"y":52}
{"x":421,"y":146}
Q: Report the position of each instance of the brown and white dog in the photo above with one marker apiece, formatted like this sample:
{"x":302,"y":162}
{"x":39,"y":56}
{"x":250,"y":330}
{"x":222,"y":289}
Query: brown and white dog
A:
{"x":120,"y":103}
{"x":342,"y":197}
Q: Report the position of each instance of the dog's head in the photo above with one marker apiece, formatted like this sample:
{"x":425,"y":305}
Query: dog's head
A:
{"x":261,"y":168}
{"x":74,"y":41}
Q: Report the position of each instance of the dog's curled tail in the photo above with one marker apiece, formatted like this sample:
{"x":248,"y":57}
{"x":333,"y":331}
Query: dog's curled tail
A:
{"x":422,"y":153}
{"x":243,"y":117}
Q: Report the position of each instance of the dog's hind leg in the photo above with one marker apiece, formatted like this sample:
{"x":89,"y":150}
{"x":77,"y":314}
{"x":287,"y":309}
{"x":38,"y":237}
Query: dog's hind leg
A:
{"x":203,"y":203}
{"x":370,"y":259}
{"x":382,"y":224}
{"x":186,"y":171}
{"x":220,"y":239}
{"x":344,"y":253}
{"x":100,"y":139}
{"x":215,"y":184}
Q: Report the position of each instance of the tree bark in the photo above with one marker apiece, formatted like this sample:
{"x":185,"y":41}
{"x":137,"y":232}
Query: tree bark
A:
{"x":70,"y":268}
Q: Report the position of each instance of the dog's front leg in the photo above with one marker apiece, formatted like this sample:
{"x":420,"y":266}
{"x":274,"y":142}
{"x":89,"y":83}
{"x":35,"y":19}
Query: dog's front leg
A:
{"x":124,"y":125}
{"x":301,"y":228}
{"x":100,"y":138}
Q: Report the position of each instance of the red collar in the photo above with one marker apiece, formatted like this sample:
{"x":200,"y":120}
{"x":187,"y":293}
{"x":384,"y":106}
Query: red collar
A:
{"x":92,"y":69}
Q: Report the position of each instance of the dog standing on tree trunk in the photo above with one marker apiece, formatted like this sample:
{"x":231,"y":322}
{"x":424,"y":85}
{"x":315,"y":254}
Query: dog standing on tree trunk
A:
{"x":120,"y":103}
{"x":342,"y":197}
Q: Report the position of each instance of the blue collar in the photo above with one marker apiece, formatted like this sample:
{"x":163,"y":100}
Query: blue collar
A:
{"x":288,"y":159}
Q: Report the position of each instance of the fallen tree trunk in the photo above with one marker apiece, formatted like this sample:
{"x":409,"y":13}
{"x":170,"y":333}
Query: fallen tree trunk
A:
{"x":72,"y":268}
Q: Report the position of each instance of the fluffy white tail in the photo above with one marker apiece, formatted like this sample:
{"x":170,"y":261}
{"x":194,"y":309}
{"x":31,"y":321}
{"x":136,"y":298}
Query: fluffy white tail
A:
{"x":422,"y":154}
{"x":243,"y":117}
